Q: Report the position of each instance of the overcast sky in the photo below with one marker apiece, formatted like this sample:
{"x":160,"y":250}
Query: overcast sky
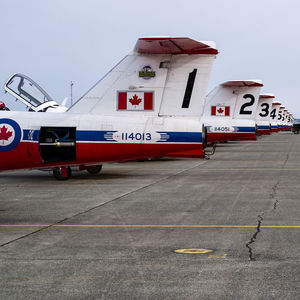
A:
{"x":56,"y":41}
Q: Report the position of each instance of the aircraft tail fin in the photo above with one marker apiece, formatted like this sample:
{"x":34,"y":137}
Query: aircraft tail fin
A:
{"x":236,"y":99}
{"x":165,"y":76}
{"x":264,"y":107}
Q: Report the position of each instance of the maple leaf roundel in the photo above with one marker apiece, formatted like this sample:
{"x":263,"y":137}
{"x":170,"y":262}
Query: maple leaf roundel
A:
{"x":10,"y":134}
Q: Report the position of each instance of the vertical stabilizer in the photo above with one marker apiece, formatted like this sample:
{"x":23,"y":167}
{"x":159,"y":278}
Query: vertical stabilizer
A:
{"x":162,"y":76}
{"x":264,"y":107}
{"x":274,"y":115}
{"x":237,"y":99}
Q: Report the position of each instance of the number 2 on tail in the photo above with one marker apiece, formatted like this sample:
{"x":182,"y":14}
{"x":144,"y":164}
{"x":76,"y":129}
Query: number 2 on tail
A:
{"x":247,"y":104}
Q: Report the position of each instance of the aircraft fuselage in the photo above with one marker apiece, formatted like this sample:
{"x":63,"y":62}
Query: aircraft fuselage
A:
{"x":38,"y":140}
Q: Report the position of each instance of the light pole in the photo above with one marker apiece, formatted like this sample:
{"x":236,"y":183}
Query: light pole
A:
{"x":71,"y":85}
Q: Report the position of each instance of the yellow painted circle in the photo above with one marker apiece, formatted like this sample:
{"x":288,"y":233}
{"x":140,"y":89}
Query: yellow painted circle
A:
{"x":193,"y":251}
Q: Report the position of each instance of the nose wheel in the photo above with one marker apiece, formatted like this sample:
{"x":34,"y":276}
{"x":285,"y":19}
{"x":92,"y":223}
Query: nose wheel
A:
{"x":62,"y":173}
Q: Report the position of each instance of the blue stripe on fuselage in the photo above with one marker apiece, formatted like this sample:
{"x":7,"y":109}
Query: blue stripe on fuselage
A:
{"x":180,"y":137}
{"x":30,"y":135}
{"x":263,"y":127}
{"x":245,"y":129}
{"x":107,"y":136}
{"x":94,"y":136}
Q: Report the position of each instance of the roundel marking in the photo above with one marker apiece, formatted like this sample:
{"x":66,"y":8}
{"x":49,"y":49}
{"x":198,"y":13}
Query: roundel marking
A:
{"x":10,"y":134}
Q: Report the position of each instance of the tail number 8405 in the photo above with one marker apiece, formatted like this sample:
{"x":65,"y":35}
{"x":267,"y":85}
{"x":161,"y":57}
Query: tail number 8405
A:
{"x":221,"y":129}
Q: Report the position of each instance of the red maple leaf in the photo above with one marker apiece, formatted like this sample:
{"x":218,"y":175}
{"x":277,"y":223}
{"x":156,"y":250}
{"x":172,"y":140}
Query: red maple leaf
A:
{"x":4,"y":134}
{"x":135,"y":100}
{"x":220,"y":110}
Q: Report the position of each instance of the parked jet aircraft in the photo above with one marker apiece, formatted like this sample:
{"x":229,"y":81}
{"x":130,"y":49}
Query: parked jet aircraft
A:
{"x":230,"y":111}
{"x":287,"y":121}
{"x":284,"y":119}
{"x":290,"y":120}
{"x":274,"y":116}
{"x":263,"y":114}
{"x":149,"y":105}
{"x":281,"y":118}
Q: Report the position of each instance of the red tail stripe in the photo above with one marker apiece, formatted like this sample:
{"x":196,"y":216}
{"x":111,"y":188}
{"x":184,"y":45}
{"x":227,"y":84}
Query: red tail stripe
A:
{"x":213,"y":110}
{"x":122,"y":100}
{"x":148,"y":101}
{"x":227,"y":110}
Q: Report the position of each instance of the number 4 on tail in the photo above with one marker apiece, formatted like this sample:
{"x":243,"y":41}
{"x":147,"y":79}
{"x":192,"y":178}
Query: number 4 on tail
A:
{"x":273,"y":113}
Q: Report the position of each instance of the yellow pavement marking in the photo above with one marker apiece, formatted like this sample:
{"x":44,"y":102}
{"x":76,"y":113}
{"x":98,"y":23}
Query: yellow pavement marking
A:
{"x":193,"y":251}
{"x":248,"y":169}
{"x":146,"y":226}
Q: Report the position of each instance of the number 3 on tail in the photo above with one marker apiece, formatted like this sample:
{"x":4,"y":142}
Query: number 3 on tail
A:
{"x":264,"y":110}
{"x":247,"y":104}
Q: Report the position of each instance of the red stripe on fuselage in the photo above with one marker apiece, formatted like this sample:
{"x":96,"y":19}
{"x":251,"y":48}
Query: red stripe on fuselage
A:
{"x":263,"y":131}
{"x":198,"y":153}
{"x":248,"y":138}
{"x":213,"y":137}
{"x":26,"y":155}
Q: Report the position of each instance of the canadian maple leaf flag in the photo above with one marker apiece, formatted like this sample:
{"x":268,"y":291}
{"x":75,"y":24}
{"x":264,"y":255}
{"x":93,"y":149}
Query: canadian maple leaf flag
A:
{"x":220,"y":110}
{"x":135,"y":100}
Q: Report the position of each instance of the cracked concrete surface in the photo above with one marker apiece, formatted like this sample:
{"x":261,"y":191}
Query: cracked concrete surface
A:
{"x":260,"y":216}
{"x":254,"y":236}
{"x":39,"y":258}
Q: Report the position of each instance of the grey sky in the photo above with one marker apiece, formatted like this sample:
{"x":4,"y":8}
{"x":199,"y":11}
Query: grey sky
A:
{"x":56,"y":41}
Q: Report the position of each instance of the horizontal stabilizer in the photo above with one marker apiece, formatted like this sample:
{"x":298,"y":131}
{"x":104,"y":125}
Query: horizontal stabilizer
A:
{"x":242,"y":83}
{"x":173,"y":45}
{"x":266,"y":96}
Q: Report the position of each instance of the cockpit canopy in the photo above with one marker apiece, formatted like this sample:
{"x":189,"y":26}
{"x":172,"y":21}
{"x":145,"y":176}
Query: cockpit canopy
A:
{"x":29,"y":92}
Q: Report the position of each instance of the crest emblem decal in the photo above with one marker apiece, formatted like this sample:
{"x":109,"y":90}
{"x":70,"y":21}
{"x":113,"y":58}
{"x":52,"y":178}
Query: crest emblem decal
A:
{"x":147,"y":72}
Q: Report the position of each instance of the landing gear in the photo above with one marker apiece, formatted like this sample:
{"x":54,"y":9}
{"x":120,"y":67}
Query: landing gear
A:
{"x":94,"y":170}
{"x":207,"y":154}
{"x":62,"y":173}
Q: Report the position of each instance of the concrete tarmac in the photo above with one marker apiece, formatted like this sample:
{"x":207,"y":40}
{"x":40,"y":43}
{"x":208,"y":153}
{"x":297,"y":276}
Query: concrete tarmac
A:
{"x":115,"y":235}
